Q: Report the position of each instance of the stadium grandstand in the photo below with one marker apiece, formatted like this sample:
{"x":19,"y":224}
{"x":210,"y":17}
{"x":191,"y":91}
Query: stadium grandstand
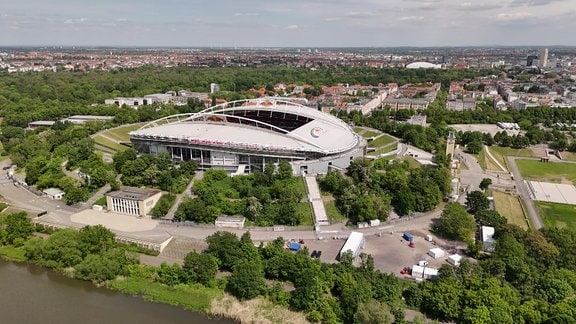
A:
{"x":244,"y":135}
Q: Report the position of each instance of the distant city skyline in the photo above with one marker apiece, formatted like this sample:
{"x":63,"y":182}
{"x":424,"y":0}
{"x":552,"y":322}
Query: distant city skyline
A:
{"x":295,"y":23}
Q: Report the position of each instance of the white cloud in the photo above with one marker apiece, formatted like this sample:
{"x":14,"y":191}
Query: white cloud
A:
{"x":291,"y":27}
{"x":246,"y":14}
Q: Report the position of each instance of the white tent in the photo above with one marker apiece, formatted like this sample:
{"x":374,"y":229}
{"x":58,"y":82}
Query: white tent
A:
{"x":454,"y":259}
{"x":436,"y":253}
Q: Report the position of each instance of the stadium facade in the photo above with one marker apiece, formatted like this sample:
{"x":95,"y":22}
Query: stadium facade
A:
{"x":243,"y":136}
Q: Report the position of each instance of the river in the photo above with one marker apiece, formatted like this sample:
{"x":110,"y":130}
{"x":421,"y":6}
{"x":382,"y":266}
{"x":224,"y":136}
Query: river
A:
{"x":31,"y":294}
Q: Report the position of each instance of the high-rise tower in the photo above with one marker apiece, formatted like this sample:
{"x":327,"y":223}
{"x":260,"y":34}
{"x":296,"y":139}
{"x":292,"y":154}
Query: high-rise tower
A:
{"x":542,"y":57}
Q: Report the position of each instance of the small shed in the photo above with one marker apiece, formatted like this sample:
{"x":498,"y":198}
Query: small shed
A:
{"x":230,"y":221}
{"x":354,"y":243}
{"x":53,"y":193}
{"x":454,"y":259}
{"x":424,"y":272}
{"x":436,"y":253}
{"x":375,"y":222}
{"x":488,"y":242}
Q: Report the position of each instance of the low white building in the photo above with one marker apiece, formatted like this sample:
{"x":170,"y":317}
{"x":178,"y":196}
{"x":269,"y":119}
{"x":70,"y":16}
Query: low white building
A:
{"x":132,"y":201}
{"x":230,"y":221}
{"x":354,"y":244}
{"x":436,"y":253}
{"x":424,"y":272}
{"x":53,"y":193}
{"x":488,"y":241}
{"x":454,"y":259}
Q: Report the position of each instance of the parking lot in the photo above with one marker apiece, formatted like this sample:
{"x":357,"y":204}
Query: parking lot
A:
{"x":390,"y":251}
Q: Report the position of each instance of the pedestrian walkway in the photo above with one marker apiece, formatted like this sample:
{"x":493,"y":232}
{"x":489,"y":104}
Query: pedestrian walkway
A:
{"x":315,"y":198}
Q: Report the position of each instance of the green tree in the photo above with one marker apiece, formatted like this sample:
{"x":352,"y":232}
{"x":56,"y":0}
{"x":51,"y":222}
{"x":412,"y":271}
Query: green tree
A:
{"x":246,"y":281}
{"x":485,"y":183}
{"x":476,"y":201}
{"x":490,"y":218}
{"x":96,"y":239}
{"x":225,"y":247}
{"x":200,"y":267}
{"x":455,"y":223}
{"x":373,"y":312}
{"x":17,"y":226}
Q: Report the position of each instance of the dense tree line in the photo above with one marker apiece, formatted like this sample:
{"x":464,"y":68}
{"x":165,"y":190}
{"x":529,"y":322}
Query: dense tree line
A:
{"x":327,"y":293}
{"x":265,"y":197}
{"x":49,"y":155}
{"x":149,"y":170}
{"x":25,"y":97}
{"x":369,"y":190}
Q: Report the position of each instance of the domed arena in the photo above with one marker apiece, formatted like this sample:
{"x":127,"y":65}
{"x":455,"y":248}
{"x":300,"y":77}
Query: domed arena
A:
{"x":243,"y":136}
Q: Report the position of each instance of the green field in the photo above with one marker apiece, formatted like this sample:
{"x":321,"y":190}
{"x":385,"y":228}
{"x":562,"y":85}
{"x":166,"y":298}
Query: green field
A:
{"x":557,"y":215}
{"x":500,"y":153}
{"x":547,"y":171}
{"x":382,"y":140}
{"x":121,"y":133}
{"x":108,"y":145}
{"x":385,"y":149}
{"x":510,"y":207}
{"x":370,"y":134}
{"x":334,"y":215}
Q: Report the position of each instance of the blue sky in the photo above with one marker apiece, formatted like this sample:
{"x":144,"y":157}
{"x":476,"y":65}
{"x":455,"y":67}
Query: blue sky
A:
{"x":288,"y":23}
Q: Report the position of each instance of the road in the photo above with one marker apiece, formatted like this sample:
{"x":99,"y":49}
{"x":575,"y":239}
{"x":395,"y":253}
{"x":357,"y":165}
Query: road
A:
{"x":524,"y":193}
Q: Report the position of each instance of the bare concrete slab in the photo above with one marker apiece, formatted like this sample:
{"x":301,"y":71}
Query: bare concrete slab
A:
{"x":553,"y":192}
{"x":114,"y":221}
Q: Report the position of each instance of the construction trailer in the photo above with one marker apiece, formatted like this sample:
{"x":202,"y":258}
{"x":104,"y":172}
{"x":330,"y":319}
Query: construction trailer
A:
{"x":436,"y":253}
{"x":408,"y":237}
{"x":354,"y":244}
{"x":454,"y":259}
{"x":424,"y":272}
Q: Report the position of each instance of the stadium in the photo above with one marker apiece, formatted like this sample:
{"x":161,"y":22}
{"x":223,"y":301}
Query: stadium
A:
{"x":243,"y":136}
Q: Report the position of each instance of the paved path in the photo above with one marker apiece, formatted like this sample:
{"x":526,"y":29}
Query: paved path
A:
{"x":494,"y":159}
{"x":524,"y":193}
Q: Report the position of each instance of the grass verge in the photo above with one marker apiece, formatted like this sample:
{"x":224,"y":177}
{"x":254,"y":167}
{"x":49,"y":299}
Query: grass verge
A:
{"x":557,"y":215}
{"x":334,"y":215}
{"x":193,"y":297}
{"x":382,"y":140}
{"x":500,"y":153}
{"x":304,"y":211}
{"x":12,"y":253}
{"x":121,"y":133}
{"x":258,"y":310}
{"x":510,"y":207}
{"x":547,"y":172}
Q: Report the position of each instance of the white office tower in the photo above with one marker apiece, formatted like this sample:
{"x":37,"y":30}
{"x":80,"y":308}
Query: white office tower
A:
{"x":543,"y":57}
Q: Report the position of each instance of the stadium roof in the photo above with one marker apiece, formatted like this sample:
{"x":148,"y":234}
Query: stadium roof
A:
{"x":257,"y":123}
{"x":423,"y":65}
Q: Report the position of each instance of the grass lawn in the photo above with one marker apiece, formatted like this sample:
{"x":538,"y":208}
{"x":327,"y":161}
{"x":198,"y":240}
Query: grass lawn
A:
{"x":557,"y":215}
{"x":110,"y":144}
{"x":121,"y":133}
{"x":12,"y":253}
{"x":305,"y":212}
{"x":511,"y":208}
{"x":369,"y":134}
{"x":547,"y":172}
{"x":500,"y":153}
{"x":193,"y":297}
{"x":334,"y":215}
{"x":382,"y":140}
{"x":385,"y":149}
{"x":490,"y":163}
{"x":411,"y":161}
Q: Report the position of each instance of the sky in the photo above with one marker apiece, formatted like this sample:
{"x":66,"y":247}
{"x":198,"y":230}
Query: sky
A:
{"x":287,"y":23}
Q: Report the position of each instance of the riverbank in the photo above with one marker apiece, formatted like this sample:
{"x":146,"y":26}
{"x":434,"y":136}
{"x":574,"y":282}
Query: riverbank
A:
{"x":212,"y":302}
